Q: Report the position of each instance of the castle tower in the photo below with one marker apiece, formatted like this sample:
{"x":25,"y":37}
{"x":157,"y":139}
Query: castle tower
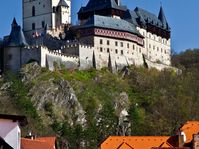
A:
{"x":13,"y":48}
{"x":38,"y":13}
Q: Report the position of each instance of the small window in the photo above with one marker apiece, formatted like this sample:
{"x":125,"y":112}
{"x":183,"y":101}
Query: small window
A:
{"x":33,"y":26}
{"x":140,"y":50}
{"x":101,"y":41}
{"x":101,"y":50}
{"x":33,"y":11}
{"x":108,"y":42}
{"x":9,"y":57}
{"x":116,"y":51}
{"x":149,"y":45}
{"x":121,"y":43}
{"x":43,"y":24}
{"x":108,"y":50}
{"x":116,"y":43}
{"x":128,"y":45}
{"x":133,"y":47}
{"x":122,"y":52}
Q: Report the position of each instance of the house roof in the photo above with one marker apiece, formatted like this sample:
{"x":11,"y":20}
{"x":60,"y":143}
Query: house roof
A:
{"x":94,"y":5}
{"x":38,"y":143}
{"x":63,"y":3}
{"x":16,"y":118}
{"x":137,"y":142}
{"x":110,"y":23}
{"x":16,"y":37}
{"x":189,"y":129}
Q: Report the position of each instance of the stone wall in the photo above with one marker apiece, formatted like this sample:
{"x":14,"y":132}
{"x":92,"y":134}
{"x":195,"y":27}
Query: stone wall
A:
{"x":160,"y":66}
{"x":51,"y":58}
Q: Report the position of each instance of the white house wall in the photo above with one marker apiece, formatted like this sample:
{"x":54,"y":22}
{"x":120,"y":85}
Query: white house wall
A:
{"x":10,"y":132}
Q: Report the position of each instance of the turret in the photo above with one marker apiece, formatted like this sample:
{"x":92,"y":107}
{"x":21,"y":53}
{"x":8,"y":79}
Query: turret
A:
{"x":163,"y":19}
{"x":63,"y":13}
{"x":14,"y":47}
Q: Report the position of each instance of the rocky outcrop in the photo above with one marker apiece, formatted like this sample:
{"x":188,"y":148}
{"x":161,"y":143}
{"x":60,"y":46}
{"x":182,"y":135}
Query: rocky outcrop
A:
{"x":52,"y":96}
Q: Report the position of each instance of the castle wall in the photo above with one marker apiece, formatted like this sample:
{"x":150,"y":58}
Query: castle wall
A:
{"x":30,"y":54}
{"x":12,"y":58}
{"x":157,"y":48}
{"x":50,"y":58}
{"x":123,"y":52}
{"x":86,"y":56}
{"x":160,"y":66}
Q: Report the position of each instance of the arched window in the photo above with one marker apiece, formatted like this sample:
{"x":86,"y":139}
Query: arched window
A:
{"x":33,"y":10}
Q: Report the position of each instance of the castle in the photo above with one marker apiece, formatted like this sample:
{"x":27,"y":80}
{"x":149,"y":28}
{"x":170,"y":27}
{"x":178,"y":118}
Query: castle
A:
{"x":108,"y":35}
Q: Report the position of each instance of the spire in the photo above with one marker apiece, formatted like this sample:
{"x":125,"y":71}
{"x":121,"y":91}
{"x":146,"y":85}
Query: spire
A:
{"x":63,"y":3}
{"x":16,"y":37}
{"x":14,"y":23}
{"x":162,"y":18}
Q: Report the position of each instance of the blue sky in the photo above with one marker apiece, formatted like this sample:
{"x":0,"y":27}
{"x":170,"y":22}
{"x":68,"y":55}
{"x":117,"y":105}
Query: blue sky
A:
{"x":182,"y":15}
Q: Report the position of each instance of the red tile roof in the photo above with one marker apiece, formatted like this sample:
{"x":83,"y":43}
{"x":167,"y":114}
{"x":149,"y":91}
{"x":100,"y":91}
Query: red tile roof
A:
{"x":38,"y":143}
{"x":136,"y":142}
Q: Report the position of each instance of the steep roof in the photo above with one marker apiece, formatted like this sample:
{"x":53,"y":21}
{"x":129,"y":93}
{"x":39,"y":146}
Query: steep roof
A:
{"x":16,"y":37}
{"x":146,"y":17}
{"x":63,"y":3}
{"x":137,"y":142}
{"x":38,"y":143}
{"x":131,"y":17}
{"x":110,"y":23}
{"x":94,"y":5}
{"x":162,"y":18}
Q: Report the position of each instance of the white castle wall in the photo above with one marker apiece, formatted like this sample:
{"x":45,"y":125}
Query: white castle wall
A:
{"x":160,"y":66}
{"x":49,"y":58}
{"x":86,"y":56}
{"x":123,"y":52}
{"x":157,"y":48}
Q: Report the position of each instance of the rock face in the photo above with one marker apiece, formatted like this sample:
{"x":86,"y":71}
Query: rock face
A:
{"x":52,"y":96}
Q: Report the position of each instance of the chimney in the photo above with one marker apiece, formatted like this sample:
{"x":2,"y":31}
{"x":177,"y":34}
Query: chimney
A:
{"x":117,"y":2}
{"x":196,"y":141}
{"x":180,"y":140}
{"x":31,"y":136}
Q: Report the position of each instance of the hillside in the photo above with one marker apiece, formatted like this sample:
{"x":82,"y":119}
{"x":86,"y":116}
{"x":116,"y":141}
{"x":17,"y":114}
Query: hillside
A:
{"x":84,"y":107}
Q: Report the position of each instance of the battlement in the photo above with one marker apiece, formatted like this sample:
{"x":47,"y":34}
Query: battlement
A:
{"x":73,"y":44}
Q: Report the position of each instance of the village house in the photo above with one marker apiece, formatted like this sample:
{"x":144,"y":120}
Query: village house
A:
{"x":187,"y":137}
{"x":10,"y":132}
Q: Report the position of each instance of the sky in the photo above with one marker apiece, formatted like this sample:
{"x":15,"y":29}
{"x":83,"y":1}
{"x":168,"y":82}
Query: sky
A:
{"x":182,"y":16}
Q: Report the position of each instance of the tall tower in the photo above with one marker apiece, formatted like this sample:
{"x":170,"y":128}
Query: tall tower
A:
{"x":39,"y":13}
